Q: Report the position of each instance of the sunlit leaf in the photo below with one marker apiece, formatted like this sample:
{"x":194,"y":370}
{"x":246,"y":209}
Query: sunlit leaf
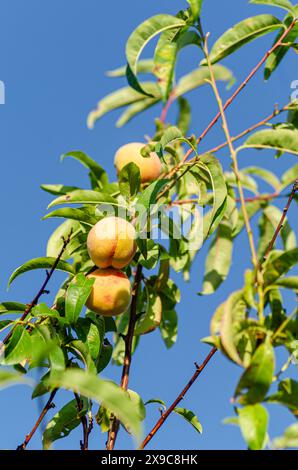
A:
{"x":190,"y":417}
{"x":41,"y":263}
{"x":253,"y":422}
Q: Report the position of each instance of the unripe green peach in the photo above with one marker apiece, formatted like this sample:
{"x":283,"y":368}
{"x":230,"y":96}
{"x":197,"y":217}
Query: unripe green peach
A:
{"x":111,"y":292}
{"x":150,"y":167}
{"x":111,"y":242}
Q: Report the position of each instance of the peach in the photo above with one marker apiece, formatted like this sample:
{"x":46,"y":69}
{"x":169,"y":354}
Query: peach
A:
{"x":111,"y":292}
{"x":111,"y":242}
{"x":150,"y":167}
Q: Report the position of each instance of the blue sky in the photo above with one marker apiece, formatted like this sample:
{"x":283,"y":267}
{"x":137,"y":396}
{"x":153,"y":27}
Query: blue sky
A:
{"x":53,"y":58}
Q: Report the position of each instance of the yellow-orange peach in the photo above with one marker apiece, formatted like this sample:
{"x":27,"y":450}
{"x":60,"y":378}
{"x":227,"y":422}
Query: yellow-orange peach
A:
{"x":150,"y":167}
{"x":111,"y":292}
{"x":111,"y":242}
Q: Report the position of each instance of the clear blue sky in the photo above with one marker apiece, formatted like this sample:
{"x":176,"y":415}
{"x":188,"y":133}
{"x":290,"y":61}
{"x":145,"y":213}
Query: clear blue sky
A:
{"x":53,"y":58}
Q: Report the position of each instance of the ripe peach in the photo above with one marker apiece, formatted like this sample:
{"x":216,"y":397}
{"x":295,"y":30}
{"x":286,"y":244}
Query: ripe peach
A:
{"x":111,"y":292}
{"x":150,"y":168}
{"x":111,"y":242}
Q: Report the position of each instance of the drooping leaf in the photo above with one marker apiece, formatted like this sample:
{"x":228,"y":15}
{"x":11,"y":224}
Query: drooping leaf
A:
{"x":102,"y":391}
{"x":253,"y":422}
{"x":76,"y":297}
{"x":219,"y":258}
{"x":277,"y":56}
{"x":289,"y":282}
{"x":97,"y":171}
{"x":231,"y":312}
{"x":134,"y":109}
{"x":63,"y":422}
{"x":18,"y":347}
{"x":129,"y":180}
{"x":190,"y":417}
{"x":157,"y":401}
{"x":198,"y":77}
{"x":143,"y":66}
{"x":151,"y":319}
{"x":169,"y":327}
{"x":145,"y":32}
{"x":279,"y":263}
{"x":283,"y":140}
{"x":214,"y":169}
{"x":285,"y":4}
{"x":85,"y":215}
{"x":12,"y":307}
{"x":273,"y":214}
{"x":55,"y":242}
{"x":41,"y":263}
{"x":91,"y":334}
{"x":266,"y":175}
{"x":241,"y":34}
{"x":257,"y":378}
{"x":289,"y":176}
{"x":122,"y":97}
{"x":58,"y":189}
{"x":86,"y":196}
{"x":184,"y":116}
{"x":9,"y":378}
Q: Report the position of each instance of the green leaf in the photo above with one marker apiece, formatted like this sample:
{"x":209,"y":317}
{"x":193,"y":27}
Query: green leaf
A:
{"x":279,"y":263}
{"x":199,"y":77}
{"x":9,"y":378}
{"x":277,"y":56}
{"x":57,"y":238}
{"x":288,"y":237}
{"x":283,"y":140}
{"x":286,"y":395}
{"x":12,"y":307}
{"x":76,"y":297}
{"x":152,"y":317}
{"x":41,"y":263}
{"x":253,"y":422}
{"x":102,"y":391}
{"x":135,"y":109}
{"x":138,"y":404}
{"x":266,"y":175}
{"x":65,"y":421}
{"x":195,"y":6}
{"x":169,"y":327}
{"x":257,"y":378}
{"x":184,"y":117}
{"x":122,"y":97}
{"x":81,"y":351}
{"x":219,"y":258}
{"x":289,"y":176}
{"x":91,"y":334}
{"x":86,"y":196}
{"x":85,"y":215}
{"x":157,"y":401}
{"x":143,"y":66}
{"x":145,"y":32}
{"x":129,"y":180}
{"x":96,"y":170}
{"x":18,"y":348}
{"x":289,"y":440}
{"x":285,"y":4}
{"x":214,"y":169}
{"x":290,"y":282}
{"x":241,"y":34}
{"x":57,"y":189}
{"x":149,"y":196}
{"x":231,"y":312}
{"x":105,"y":355}
{"x":190,"y":417}
{"x":252,"y":209}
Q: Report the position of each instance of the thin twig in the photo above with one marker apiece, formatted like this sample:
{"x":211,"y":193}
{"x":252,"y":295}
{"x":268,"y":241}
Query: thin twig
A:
{"x":114,"y":426}
{"x":238,"y":179}
{"x":85,"y":442}
{"x":166,"y":414}
{"x":280,"y":224}
{"x":167,"y":106}
{"x":235,"y":94}
{"x":46,"y":408}
{"x":44,"y":285}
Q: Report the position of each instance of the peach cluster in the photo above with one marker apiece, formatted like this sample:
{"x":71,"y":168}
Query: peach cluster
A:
{"x":111,"y":243}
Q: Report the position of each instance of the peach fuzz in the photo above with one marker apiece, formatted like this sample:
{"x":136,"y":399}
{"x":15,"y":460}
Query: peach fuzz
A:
{"x":111,"y":242}
{"x":111,"y":292}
